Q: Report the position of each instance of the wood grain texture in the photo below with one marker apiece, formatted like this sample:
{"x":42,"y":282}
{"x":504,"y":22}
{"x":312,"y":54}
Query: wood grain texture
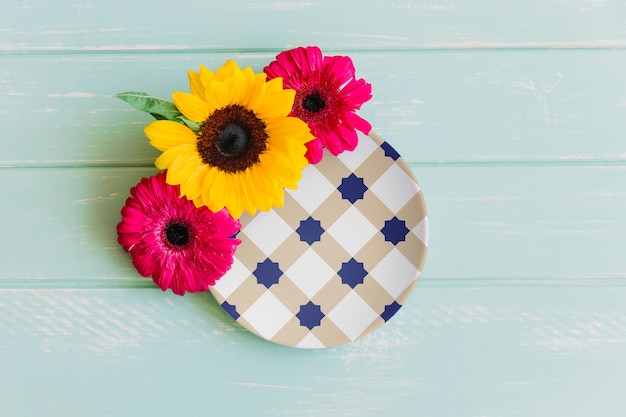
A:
{"x":459,"y":351}
{"x":512,"y":116}
{"x":433,"y":106}
{"x":43,"y":25}
{"x":540,"y":224}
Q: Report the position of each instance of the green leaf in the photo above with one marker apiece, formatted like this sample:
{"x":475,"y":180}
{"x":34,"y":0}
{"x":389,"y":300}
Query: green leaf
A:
{"x":159,"y":109}
{"x":153,"y":105}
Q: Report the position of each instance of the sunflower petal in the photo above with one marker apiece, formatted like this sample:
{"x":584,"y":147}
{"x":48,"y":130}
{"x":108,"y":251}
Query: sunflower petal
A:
{"x":259,"y":186}
{"x":252,"y":198}
{"x":167,"y":157}
{"x":192,"y":186}
{"x":182,"y":168}
{"x":193,"y":107}
{"x":227,"y":70}
{"x":165,"y":134}
{"x":217,"y":96}
{"x":276,"y":103}
{"x":289,"y":133}
{"x":206,"y":77}
{"x":195,"y":83}
{"x":255,"y":87}
{"x":266,"y":181}
{"x":237,"y":87}
{"x":233,"y":193}
{"x":212,"y":177}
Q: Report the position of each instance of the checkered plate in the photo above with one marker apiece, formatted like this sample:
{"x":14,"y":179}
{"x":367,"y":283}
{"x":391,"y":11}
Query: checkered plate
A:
{"x":339,"y":259}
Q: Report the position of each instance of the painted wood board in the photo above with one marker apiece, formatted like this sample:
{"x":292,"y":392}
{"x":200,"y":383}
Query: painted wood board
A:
{"x":40,"y":25}
{"x":456,"y":350}
{"x":535,"y":223}
{"x":434,"y":107}
{"x":512,"y":116}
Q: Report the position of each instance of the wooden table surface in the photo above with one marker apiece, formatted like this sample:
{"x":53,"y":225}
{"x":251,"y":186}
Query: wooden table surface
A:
{"x":511,"y":114}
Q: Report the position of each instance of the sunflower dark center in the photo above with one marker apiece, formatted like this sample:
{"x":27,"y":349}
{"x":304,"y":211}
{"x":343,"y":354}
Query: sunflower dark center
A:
{"x":313,"y":103}
{"x":177,"y":234}
{"x":232,"y":138}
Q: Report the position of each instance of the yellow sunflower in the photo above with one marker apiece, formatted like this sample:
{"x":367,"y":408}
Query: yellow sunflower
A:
{"x":247,"y":150}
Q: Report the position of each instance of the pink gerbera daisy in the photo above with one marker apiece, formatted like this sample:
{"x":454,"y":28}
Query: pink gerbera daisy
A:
{"x":182,"y":247}
{"x":327,"y":96}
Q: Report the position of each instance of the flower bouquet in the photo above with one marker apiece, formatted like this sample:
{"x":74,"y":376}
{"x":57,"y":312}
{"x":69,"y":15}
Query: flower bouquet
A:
{"x":308,"y":229}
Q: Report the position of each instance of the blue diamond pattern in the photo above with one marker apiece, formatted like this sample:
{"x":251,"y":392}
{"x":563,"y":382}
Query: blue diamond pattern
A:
{"x":352,"y":273}
{"x":390,"y":310}
{"x":389,"y":151}
{"x":310,"y":230}
{"x":352,"y":188}
{"x":231,"y":309}
{"x":310,"y":315}
{"x":395,"y":230}
{"x":267,"y":273}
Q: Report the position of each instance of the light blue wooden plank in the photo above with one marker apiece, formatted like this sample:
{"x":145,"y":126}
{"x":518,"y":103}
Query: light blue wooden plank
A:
{"x":43,"y":25}
{"x":519,"y":150}
{"x":526,"y":221}
{"x":61,"y":224}
{"x":432,"y":106}
{"x":503,"y":223}
{"x":449,"y":351}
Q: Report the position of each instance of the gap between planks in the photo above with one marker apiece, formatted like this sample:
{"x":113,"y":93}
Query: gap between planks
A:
{"x":412,"y":164}
{"x":444,"y":47}
{"x":438,"y":283}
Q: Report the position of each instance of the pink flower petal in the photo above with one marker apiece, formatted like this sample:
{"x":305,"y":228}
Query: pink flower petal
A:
{"x":333,"y":141}
{"x":355,"y":93}
{"x":340,"y":69}
{"x":358,"y":123}
{"x":349,"y":137}
{"x":314,"y":151}
{"x":189,"y":266}
{"x":331,"y":80}
{"x":143,"y":262}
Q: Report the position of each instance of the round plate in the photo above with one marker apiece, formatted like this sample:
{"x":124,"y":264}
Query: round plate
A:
{"x":340,"y":257}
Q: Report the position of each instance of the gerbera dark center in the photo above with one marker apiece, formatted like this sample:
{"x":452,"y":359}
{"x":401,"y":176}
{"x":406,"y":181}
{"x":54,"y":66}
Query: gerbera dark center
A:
{"x":232,"y":138}
{"x":177,"y":234}
{"x":313,"y":103}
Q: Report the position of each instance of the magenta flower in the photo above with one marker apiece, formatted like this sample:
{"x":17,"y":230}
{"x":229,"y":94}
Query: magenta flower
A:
{"x":327,"y":96}
{"x":182,"y":247}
